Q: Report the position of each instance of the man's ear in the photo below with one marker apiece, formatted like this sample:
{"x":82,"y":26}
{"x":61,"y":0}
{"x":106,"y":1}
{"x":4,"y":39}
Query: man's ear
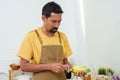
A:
{"x":44,"y":18}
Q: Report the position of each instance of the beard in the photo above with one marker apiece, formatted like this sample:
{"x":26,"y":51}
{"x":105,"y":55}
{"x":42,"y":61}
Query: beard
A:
{"x":53,"y":30}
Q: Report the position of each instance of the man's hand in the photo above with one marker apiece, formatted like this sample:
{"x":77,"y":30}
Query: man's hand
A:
{"x":80,"y":74}
{"x":67,"y":68}
{"x":57,"y":67}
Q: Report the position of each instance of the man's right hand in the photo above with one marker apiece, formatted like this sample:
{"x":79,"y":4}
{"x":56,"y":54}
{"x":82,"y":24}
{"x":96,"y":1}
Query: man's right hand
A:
{"x":57,"y":67}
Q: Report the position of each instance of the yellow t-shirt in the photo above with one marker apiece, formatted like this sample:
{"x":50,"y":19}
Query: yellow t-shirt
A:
{"x":30,"y":48}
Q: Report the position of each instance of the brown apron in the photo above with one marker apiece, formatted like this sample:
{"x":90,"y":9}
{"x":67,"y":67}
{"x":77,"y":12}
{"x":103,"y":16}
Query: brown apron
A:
{"x":50,"y":54}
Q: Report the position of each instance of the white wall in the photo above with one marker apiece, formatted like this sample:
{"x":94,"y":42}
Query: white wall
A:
{"x":17,"y":17}
{"x":102,"y":19}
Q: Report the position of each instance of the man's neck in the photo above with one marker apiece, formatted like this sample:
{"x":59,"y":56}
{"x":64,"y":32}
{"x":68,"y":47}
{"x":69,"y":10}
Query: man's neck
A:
{"x":47,"y":32}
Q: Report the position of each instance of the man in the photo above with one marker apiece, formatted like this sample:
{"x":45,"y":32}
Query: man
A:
{"x":44,"y":51}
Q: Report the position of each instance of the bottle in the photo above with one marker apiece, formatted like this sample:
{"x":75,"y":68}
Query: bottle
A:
{"x":93,"y":72}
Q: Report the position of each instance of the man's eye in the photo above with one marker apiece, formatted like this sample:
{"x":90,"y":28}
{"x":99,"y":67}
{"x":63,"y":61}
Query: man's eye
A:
{"x":54,"y":21}
{"x":59,"y":21}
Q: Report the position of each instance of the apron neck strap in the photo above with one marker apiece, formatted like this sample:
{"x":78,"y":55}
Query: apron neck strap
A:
{"x":38,"y":36}
{"x":40,"y":40}
{"x":59,"y":37}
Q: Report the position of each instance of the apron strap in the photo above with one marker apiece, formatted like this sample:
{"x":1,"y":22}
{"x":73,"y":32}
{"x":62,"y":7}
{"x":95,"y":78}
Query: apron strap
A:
{"x":40,"y":40}
{"x":59,"y":37}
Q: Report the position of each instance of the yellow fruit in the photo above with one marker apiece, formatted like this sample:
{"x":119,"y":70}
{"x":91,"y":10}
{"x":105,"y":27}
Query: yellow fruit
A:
{"x":80,"y":68}
{"x":76,"y":69}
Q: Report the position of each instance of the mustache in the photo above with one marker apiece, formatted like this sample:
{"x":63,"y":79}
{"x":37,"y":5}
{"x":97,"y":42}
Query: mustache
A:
{"x":53,"y":30}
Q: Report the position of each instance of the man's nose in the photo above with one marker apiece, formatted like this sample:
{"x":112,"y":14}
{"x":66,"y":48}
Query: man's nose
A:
{"x":57,"y":24}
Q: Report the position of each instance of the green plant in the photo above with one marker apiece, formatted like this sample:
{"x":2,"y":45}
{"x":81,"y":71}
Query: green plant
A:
{"x":102,"y":71}
{"x":105,"y":71}
{"x":110,"y":70}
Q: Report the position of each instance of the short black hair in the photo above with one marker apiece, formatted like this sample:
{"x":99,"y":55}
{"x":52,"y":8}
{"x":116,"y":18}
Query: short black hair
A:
{"x":51,"y":7}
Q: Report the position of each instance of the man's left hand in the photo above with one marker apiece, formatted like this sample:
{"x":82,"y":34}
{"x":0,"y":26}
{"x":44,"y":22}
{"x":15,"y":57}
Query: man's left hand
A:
{"x":80,"y":74}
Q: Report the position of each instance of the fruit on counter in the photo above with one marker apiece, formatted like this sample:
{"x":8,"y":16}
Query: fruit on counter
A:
{"x":115,"y":77}
{"x":80,"y":68}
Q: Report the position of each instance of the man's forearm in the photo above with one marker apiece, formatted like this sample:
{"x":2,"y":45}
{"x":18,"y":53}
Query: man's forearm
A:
{"x":29,"y":67}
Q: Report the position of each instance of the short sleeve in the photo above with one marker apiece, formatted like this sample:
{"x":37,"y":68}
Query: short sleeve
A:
{"x":66,"y":46}
{"x":25,"y":51}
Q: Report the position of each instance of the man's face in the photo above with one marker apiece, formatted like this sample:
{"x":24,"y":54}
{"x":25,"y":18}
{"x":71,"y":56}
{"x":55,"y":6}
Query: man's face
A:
{"x":52,"y":23}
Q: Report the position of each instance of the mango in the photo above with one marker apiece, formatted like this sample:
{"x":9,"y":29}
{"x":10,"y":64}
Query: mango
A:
{"x":80,"y":68}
